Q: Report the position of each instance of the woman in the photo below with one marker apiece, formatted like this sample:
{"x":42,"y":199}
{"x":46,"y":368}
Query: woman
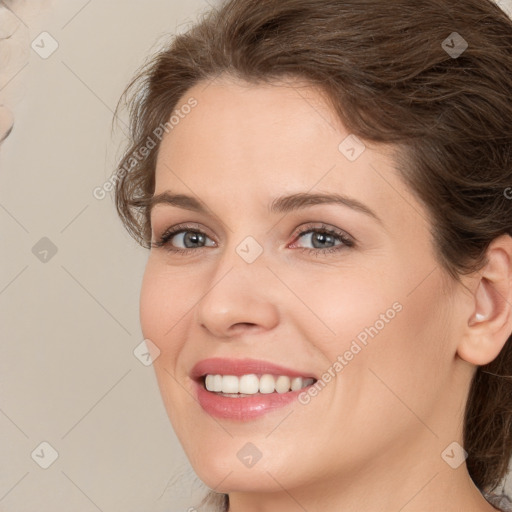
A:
{"x":325,"y":187}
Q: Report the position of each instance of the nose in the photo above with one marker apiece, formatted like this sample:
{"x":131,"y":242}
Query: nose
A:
{"x":239,"y":297}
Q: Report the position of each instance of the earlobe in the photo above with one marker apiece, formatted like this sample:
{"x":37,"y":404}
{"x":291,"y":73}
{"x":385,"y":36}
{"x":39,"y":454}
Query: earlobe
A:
{"x":490,"y":322}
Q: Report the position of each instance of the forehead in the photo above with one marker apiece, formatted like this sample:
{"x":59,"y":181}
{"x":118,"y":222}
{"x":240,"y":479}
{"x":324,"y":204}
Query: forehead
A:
{"x":251,"y":127}
{"x":262,"y":140}
{"x":232,"y":119}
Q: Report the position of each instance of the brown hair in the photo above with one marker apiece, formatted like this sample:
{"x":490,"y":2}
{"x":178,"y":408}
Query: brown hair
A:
{"x":389,"y":71}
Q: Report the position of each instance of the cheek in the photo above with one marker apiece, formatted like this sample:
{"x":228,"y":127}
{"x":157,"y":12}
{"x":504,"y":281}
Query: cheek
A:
{"x":346,"y":307}
{"x":162,"y":311}
{"x":410,"y":358}
{"x":160,"y":308}
{"x":167,"y":302}
{"x":381,"y":329}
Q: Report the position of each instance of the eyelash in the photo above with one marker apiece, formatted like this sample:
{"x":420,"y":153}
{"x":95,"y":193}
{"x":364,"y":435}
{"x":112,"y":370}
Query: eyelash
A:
{"x":166,"y":237}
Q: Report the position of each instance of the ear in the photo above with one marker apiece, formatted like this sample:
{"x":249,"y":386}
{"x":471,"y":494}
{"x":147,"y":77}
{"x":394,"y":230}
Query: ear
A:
{"x":490,"y":323}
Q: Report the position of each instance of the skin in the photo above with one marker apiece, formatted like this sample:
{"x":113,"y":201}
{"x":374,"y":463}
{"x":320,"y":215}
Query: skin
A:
{"x":372,"y":439}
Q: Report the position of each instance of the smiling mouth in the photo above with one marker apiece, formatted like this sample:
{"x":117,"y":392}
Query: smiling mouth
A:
{"x":233,"y":386}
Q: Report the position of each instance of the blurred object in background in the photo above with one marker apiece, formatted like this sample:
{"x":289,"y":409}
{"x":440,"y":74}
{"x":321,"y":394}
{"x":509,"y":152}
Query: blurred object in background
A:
{"x":506,"y":5}
{"x":6,"y":122}
{"x":18,"y":21}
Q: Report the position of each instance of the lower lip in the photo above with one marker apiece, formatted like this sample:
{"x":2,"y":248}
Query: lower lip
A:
{"x":243,"y":408}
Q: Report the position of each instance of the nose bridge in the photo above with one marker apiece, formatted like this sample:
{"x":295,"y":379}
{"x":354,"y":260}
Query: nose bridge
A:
{"x":237,"y":291}
{"x":245,"y":253}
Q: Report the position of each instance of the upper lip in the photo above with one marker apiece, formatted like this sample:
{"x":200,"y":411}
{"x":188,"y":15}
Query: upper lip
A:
{"x":238,"y":367}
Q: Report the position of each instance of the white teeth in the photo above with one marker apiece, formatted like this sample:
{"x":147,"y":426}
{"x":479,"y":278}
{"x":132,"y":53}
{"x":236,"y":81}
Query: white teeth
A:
{"x":296,"y":383}
{"x":229,"y":384}
{"x":208,"y":382}
{"x":250,"y":384}
{"x":217,"y":383}
{"x":214,"y":383}
{"x":282,"y":384}
{"x":267,"y":384}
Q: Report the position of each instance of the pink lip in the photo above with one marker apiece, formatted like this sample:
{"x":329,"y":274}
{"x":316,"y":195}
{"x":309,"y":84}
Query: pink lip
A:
{"x":243,"y":408}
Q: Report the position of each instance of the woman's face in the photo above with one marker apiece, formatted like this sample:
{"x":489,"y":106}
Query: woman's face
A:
{"x":370,"y":315}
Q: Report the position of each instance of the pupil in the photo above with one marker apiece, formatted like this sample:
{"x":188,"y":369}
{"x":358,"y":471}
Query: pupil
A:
{"x":190,"y":236}
{"x":321,"y":237}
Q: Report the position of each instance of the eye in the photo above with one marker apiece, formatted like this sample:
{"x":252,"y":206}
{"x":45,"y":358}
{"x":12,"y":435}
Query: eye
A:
{"x":318,"y":236}
{"x":191,"y":238}
{"x":187,"y":235}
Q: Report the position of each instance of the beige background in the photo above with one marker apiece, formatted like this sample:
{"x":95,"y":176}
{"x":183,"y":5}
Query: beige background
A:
{"x":68,"y":375}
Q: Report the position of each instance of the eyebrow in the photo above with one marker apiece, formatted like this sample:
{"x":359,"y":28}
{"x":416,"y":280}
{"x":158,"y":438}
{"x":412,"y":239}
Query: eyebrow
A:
{"x":283,"y":204}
